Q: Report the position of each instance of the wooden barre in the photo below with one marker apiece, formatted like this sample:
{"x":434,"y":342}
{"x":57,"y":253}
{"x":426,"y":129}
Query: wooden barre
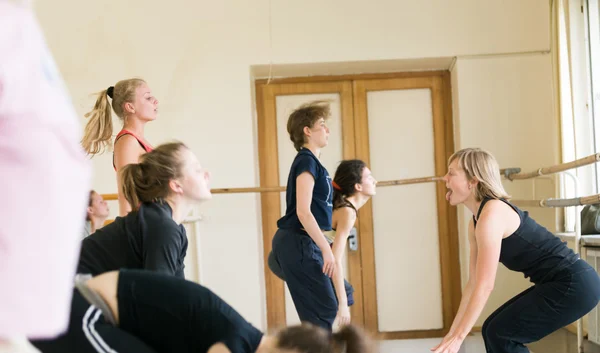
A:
{"x":587,"y":200}
{"x":509,"y":173}
{"x":110,"y":197}
{"x":556,"y":168}
{"x":577,"y":201}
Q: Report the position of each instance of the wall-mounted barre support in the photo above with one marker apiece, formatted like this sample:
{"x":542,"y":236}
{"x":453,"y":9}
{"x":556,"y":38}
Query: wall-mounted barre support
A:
{"x":591,"y":159}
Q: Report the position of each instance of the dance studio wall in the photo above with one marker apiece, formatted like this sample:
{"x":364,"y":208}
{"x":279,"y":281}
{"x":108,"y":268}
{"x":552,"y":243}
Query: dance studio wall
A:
{"x":198,"y":57}
{"x":504,"y":105}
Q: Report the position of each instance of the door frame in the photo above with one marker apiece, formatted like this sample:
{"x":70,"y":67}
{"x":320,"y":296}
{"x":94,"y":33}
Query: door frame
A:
{"x":449,"y":257}
{"x":269,"y":176}
{"x":360,"y":262}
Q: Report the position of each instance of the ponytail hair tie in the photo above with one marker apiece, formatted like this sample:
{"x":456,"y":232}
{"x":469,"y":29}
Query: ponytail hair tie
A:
{"x":336,"y":186}
{"x":110,"y":91}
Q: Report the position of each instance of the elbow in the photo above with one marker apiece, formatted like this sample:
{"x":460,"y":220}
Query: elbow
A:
{"x":303,"y":215}
{"x":485,"y":287}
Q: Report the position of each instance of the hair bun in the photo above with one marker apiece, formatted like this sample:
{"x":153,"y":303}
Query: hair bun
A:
{"x":110,"y":91}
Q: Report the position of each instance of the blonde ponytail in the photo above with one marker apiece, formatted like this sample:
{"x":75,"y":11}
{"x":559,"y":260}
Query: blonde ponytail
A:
{"x":99,"y":129}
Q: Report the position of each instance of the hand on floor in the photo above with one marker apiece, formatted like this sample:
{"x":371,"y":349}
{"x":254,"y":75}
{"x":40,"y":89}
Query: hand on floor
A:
{"x":450,"y":344}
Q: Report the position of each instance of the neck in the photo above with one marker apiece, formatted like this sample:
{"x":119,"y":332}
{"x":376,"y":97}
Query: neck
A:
{"x":180,"y":208}
{"x":472,"y":205}
{"x":314,"y":149}
{"x":134,"y":125}
{"x":96,"y":224}
{"x":358,"y":200}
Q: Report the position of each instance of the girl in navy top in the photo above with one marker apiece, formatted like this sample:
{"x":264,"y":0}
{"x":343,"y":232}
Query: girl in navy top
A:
{"x":565,"y":287}
{"x":353,"y":186}
{"x":299,"y":245}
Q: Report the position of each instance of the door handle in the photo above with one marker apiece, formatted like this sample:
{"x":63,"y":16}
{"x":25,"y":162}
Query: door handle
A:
{"x":353,"y":239}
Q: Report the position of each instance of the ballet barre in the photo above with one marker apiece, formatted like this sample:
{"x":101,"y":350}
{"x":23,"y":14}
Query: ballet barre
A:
{"x":591,"y":159}
{"x":261,"y":189}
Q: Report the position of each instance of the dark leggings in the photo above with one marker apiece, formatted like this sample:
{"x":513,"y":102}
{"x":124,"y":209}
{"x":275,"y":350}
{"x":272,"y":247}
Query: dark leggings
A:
{"x":542,"y":309}
{"x":301,"y":263}
{"x":88,"y":332}
{"x":157,"y":313}
{"x":275,"y":267}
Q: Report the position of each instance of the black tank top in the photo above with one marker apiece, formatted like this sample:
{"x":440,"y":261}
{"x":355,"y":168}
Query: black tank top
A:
{"x":532,"y":249}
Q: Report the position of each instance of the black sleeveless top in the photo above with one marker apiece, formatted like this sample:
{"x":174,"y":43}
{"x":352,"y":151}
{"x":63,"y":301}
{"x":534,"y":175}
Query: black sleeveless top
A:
{"x":532,"y":249}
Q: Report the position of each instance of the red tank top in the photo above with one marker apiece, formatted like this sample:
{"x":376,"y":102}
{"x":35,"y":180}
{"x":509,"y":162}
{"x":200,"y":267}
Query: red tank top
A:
{"x":123,"y":132}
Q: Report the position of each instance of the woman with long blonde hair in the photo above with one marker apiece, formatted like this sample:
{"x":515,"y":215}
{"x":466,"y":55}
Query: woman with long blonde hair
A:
{"x":133,"y":102}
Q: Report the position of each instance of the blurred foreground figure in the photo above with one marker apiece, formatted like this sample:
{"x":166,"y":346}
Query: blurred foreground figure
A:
{"x":45,"y":182}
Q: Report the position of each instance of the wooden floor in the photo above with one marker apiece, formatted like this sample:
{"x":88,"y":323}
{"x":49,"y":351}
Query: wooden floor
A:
{"x":561,"y":341}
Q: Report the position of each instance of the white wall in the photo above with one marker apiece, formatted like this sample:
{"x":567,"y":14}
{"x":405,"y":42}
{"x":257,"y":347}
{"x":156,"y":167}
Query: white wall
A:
{"x":198,"y":57}
{"x":505,"y":106}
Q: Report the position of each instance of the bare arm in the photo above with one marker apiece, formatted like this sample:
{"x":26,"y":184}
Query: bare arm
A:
{"x":127,"y":151}
{"x":346,"y":220}
{"x":488,"y":237}
{"x":305,"y":184}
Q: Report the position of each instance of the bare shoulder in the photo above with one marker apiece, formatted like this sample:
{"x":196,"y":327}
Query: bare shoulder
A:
{"x":345,"y":213}
{"x":127,"y":150}
{"x":126,"y":142}
{"x":497,"y":213}
{"x":218,"y":348}
{"x":343,"y":217}
{"x":495,"y":208}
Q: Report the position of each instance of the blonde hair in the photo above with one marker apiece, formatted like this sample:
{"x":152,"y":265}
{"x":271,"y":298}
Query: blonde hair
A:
{"x":99,"y":129}
{"x":148,"y":180}
{"x":480,"y":165}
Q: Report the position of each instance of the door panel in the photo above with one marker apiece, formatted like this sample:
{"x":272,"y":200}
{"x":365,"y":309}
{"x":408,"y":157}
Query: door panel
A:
{"x":405,"y":224}
{"x":411,"y":275}
{"x":405,"y":270}
{"x":278,"y":102}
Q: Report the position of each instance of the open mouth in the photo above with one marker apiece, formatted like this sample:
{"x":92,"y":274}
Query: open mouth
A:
{"x":448,"y":194}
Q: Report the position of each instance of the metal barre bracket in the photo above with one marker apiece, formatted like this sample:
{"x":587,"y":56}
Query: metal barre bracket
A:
{"x":510,"y":171}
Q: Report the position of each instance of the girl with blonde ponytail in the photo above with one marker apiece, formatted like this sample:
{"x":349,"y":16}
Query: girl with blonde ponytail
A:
{"x":134,"y":104}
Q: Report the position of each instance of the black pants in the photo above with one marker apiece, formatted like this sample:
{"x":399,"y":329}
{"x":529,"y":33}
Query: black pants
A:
{"x":542,"y":309}
{"x":88,"y":332}
{"x":301,"y":263}
{"x":157,"y":313}
{"x":275,"y":267}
